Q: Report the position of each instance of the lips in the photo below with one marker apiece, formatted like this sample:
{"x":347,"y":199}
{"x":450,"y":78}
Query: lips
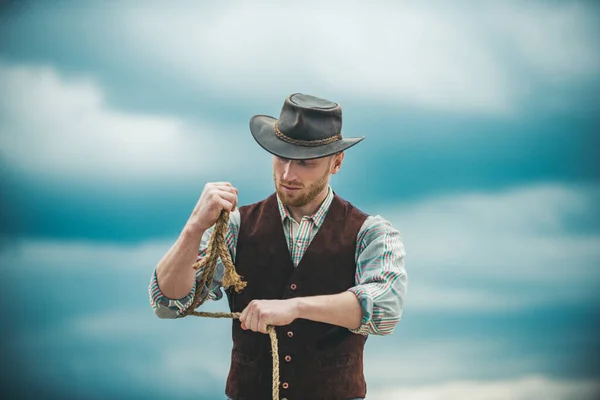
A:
{"x":290,"y":187}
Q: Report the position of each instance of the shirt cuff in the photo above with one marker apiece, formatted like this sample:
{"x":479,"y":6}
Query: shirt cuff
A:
{"x":374,"y":320}
{"x":165,"y":307}
{"x":366,"y":304}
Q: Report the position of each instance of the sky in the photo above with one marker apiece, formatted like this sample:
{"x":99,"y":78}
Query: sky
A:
{"x":481,"y":120}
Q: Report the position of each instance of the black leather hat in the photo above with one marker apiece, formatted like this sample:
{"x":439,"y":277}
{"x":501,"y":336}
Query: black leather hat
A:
{"x":308,"y":127}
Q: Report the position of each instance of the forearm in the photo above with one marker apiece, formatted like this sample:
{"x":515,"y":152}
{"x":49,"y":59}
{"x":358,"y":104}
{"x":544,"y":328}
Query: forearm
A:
{"x":174,"y":272}
{"x":341,"y":309}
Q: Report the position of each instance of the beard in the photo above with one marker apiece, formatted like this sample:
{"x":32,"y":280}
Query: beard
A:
{"x":302,"y":196}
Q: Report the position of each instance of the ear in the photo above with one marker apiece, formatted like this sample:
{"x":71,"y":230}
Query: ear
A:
{"x":336,"y":164}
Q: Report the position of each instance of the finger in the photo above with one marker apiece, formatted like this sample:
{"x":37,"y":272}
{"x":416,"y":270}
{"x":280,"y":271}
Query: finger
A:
{"x":231,"y":197}
{"x":244,"y":315}
{"x":254,"y":323}
{"x":262,"y":323}
{"x":226,"y":205}
{"x":248,"y":315}
{"x":227,"y":188}
{"x":248,"y":322}
{"x":220,"y":184}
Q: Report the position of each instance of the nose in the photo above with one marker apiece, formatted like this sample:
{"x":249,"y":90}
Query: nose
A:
{"x":288,"y":174}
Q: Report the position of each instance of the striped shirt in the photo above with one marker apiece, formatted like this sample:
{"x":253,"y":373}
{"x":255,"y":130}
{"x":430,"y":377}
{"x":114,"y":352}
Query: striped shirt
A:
{"x":380,"y":279}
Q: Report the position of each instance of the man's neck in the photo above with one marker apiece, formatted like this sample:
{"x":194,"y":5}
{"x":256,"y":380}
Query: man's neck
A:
{"x":309,"y":209}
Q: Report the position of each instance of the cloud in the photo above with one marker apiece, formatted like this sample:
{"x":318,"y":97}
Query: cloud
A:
{"x":187,"y":363}
{"x":470,"y":253}
{"x":28,"y":255}
{"x":455,"y":248}
{"x":548,"y":38}
{"x":525,"y":388}
{"x":457,"y":58}
{"x":181,"y":345}
{"x":173,"y":355}
{"x":420,"y":360}
{"x":498,"y":251}
{"x":58,"y":126}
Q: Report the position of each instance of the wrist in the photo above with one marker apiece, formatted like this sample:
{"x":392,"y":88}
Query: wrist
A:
{"x":299,"y":307}
{"x":193,"y":231}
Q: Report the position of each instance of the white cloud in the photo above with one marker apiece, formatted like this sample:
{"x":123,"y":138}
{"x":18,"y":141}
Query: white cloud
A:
{"x":486,"y":252}
{"x":475,"y":252}
{"x":182,"y":372}
{"x":445,"y":57}
{"x":189,"y":354}
{"x":429,"y":368}
{"x":478,"y":252}
{"x":127,"y":323}
{"x":499,"y":251}
{"x":80,"y":255}
{"x":181,"y":361}
{"x":391,"y":361}
{"x":525,"y":388}
{"x":54,"y":126}
{"x":556,"y":41}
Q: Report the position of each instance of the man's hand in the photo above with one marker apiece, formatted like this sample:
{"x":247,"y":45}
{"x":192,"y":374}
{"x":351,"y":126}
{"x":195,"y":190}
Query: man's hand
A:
{"x":215,"y":197}
{"x":261,"y":313}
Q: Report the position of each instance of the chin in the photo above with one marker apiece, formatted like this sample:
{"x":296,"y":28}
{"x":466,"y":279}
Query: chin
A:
{"x":291,"y":201}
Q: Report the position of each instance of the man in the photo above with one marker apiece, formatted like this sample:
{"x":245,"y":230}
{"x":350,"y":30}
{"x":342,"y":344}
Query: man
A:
{"x":322,"y":272}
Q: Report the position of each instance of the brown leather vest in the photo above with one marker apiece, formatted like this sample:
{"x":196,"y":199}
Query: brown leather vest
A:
{"x":325,"y":361}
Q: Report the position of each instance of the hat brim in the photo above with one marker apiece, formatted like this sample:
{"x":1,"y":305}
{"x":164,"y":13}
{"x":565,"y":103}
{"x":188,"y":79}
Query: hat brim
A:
{"x":263,"y":131}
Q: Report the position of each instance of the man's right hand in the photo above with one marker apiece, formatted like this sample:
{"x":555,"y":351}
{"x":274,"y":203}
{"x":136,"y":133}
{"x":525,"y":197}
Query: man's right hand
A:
{"x":215,"y":197}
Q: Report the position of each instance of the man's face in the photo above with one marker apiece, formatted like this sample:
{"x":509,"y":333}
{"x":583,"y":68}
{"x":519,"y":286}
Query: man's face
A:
{"x":298,"y":182}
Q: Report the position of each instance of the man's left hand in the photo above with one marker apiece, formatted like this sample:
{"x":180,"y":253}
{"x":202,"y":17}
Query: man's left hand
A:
{"x":261,"y":313}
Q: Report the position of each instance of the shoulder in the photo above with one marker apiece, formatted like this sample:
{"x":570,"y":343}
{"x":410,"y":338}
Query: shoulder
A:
{"x":376,"y":228}
{"x":348,"y":207}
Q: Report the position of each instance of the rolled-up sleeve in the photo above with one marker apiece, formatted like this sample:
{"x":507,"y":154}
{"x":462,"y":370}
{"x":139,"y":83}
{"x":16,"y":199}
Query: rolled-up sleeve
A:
{"x":381,"y":279}
{"x":165,"y":307}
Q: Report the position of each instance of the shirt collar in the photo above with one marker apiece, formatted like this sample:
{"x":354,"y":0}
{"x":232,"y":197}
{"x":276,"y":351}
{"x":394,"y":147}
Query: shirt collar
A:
{"x":318,"y":217}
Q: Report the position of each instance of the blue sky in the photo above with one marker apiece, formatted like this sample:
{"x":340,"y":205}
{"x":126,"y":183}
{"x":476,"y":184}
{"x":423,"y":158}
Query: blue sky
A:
{"x":481,"y":125}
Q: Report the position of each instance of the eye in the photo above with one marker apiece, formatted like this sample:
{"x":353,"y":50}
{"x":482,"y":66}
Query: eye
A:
{"x":305,"y":163}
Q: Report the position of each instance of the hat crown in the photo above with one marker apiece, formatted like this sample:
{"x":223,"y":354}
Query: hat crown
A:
{"x":309,"y":118}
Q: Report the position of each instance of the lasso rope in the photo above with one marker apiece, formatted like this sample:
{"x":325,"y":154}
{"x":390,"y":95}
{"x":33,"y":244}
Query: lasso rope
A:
{"x":218,"y":248}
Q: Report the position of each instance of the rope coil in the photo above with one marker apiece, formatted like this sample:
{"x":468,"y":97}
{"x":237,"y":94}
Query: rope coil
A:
{"x":217,"y":248}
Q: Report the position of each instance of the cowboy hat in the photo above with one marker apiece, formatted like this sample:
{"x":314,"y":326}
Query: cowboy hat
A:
{"x":308,"y":127}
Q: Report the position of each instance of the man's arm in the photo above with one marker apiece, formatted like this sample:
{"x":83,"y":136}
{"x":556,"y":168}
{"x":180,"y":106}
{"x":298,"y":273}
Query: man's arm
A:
{"x":372,"y":306}
{"x":381,"y":278}
{"x":174,"y":273}
{"x":168,"y":307}
{"x":173,"y":282}
{"x":341,"y":309}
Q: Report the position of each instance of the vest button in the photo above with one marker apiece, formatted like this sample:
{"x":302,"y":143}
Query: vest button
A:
{"x":293,"y":286}
{"x":285,"y":385}
{"x":290,"y":334}
{"x":288,"y":358}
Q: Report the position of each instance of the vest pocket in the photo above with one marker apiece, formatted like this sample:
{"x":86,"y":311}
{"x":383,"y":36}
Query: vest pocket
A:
{"x":243,"y":359}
